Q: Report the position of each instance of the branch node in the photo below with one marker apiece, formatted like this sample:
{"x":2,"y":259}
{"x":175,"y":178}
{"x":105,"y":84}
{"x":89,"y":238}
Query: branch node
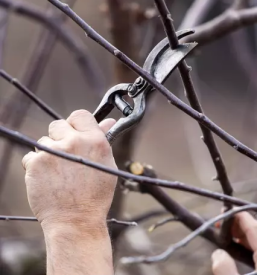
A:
{"x":116,"y":52}
{"x":215,"y":178}
{"x":236,"y":147}
{"x":169,"y":17}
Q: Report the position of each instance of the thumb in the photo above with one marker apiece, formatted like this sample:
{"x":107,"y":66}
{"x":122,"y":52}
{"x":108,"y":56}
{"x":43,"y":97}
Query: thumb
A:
{"x":223,"y":264}
{"x":107,"y":124}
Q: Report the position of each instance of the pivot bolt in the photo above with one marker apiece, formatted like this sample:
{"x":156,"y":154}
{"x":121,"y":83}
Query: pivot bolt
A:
{"x":132,"y":89}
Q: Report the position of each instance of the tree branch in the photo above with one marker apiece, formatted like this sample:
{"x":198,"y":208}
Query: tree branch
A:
{"x":229,"y":21}
{"x":190,"y":220}
{"x":195,"y":103}
{"x":204,"y":120}
{"x":165,"y":255}
{"x":39,"y":102}
{"x":30,"y":143}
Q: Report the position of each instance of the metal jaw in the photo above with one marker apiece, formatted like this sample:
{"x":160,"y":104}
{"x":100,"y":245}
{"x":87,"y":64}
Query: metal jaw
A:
{"x":160,"y":63}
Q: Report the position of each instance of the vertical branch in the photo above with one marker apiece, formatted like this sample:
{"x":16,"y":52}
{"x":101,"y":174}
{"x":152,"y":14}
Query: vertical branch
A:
{"x":194,"y":102}
{"x":31,"y":78}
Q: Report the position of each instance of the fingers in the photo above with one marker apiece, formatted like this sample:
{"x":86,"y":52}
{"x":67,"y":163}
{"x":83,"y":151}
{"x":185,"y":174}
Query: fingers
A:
{"x":245,"y":229}
{"x":27,"y":158}
{"x":223,"y":264}
{"x":107,"y":124}
{"x":59,"y":129}
{"x":82,"y":121}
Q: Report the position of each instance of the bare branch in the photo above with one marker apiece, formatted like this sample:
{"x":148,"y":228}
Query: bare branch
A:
{"x":40,"y":103}
{"x":165,"y":255}
{"x":203,"y":119}
{"x":90,"y":69}
{"x":30,"y":143}
{"x":229,"y":21}
{"x":33,"y":219}
{"x":195,"y":103}
{"x":187,"y":218}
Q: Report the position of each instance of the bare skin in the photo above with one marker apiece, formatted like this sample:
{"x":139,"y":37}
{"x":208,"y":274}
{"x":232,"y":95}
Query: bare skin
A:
{"x":71,"y":201}
{"x":244,"y":231}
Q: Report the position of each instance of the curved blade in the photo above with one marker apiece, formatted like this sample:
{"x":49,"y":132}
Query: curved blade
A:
{"x":162,"y":60}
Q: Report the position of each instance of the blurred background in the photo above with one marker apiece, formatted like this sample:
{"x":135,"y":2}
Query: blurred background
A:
{"x":76,"y":77}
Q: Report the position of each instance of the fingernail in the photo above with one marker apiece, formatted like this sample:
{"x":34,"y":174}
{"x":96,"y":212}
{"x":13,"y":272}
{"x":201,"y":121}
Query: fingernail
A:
{"x":217,"y":254}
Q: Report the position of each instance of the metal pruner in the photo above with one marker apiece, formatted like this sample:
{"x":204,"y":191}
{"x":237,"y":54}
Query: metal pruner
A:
{"x":160,"y":63}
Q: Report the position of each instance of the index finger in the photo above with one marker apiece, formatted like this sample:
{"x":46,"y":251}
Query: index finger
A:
{"x":82,"y":121}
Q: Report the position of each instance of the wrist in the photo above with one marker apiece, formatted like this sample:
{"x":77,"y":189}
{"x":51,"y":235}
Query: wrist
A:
{"x":78,"y":246}
{"x":83,"y":227}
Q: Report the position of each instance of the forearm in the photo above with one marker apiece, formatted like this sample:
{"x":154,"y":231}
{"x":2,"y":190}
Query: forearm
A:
{"x":78,"y":251}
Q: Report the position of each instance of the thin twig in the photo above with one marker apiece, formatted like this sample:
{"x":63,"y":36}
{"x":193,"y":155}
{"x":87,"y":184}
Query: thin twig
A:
{"x":30,"y":143}
{"x":203,"y":119}
{"x":33,"y":219}
{"x":162,"y":222}
{"x":39,"y":102}
{"x":165,"y":255}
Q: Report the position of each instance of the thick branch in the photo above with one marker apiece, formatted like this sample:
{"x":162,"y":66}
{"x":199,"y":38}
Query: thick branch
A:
{"x":229,"y":21}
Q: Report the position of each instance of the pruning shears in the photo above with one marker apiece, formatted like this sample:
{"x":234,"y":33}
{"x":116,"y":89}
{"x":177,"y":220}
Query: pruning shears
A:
{"x":160,"y":63}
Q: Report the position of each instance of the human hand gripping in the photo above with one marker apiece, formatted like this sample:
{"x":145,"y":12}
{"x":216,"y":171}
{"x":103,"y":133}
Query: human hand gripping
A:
{"x":71,"y":201}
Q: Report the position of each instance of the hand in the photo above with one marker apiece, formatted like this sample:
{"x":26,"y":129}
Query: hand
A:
{"x":244,"y":231}
{"x":62,"y":192}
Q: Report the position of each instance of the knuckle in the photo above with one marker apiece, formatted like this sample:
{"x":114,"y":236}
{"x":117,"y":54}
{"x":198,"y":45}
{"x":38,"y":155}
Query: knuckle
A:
{"x":55,"y":123}
{"x":79,"y":113}
{"x":42,"y":139}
